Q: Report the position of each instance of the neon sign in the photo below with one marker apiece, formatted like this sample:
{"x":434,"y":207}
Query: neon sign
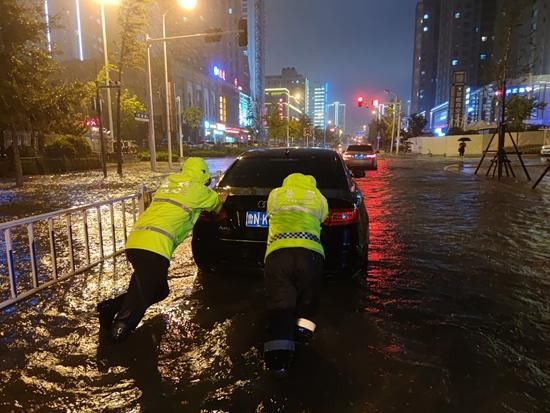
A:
{"x":220,"y":73}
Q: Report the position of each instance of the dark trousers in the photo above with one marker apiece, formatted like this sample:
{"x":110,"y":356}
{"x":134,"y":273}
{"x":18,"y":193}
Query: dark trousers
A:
{"x":148,"y":285}
{"x":292,"y":281}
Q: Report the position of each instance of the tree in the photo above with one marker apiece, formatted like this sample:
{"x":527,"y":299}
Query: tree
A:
{"x":131,"y":51}
{"x":373,"y":129}
{"x":276,"y":126}
{"x":25,"y":71}
{"x":295,"y":129}
{"x":130,"y":104}
{"x":192,"y":117}
{"x":417,"y":123}
{"x":519,"y":109}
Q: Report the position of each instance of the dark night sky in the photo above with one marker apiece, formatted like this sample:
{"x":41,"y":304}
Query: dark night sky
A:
{"x":360,"y":47}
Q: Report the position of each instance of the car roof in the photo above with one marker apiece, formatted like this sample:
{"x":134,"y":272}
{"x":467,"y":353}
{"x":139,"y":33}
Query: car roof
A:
{"x":289,"y":152}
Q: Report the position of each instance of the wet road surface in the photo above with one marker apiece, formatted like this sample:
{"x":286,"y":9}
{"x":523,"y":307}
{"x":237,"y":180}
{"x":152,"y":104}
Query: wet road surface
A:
{"x":453,"y":315}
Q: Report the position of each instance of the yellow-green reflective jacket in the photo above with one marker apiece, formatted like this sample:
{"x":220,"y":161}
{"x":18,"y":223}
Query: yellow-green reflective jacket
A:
{"x":174,"y":210}
{"x":296,"y":211}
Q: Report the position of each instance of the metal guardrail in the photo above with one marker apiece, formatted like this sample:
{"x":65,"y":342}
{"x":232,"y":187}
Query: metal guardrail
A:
{"x":55,"y":231}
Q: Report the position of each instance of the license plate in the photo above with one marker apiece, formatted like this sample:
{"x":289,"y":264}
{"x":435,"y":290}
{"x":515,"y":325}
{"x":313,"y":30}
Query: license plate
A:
{"x":358,"y":156}
{"x":256,"y":219}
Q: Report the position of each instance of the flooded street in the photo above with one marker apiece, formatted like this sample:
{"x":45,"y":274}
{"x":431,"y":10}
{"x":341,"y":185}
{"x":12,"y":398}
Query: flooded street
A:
{"x":452,"y":316}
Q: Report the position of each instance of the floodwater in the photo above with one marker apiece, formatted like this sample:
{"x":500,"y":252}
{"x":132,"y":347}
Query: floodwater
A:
{"x":452,"y":316}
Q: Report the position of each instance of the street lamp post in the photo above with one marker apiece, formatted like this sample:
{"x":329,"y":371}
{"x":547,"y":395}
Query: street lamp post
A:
{"x":151,"y":125}
{"x":167,"y":93}
{"x":106,"y":58}
{"x":187,"y":5}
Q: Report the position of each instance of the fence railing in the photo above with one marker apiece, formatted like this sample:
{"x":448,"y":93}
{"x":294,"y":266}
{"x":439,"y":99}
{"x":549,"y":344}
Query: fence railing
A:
{"x":45,"y":249}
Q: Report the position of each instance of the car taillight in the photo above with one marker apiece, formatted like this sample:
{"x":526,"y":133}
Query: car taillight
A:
{"x":347,"y":156}
{"x":373,"y":155}
{"x":338,"y":217}
{"x":213,"y":216}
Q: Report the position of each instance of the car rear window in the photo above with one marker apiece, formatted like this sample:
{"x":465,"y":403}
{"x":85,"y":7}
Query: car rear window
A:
{"x":360,"y":148}
{"x":265,"y":172}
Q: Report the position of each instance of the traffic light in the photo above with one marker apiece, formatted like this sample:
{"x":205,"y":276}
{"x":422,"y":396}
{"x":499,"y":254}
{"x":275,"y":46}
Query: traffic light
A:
{"x":243,"y":33}
{"x":360,"y":101}
{"x":375,"y":103}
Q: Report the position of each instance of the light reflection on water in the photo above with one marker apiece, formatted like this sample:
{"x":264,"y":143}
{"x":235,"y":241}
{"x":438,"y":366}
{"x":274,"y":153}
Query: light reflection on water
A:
{"x":453,"y":315}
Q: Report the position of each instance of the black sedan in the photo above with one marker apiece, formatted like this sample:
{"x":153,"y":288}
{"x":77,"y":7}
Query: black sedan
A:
{"x":236,"y":237}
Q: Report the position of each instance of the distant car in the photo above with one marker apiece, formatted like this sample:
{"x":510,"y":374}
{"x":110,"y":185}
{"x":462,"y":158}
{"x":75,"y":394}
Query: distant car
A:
{"x":545,"y":150}
{"x":237,"y":236}
{"x":359,"y":158}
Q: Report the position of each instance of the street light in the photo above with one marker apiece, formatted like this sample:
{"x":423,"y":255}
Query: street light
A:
{"x":102,"y":4}
{"x":186,"y":5}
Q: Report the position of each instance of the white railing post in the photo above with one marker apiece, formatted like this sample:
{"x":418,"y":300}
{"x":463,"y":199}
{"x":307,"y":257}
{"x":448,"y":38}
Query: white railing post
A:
{"x":113,"y":230}
{"x":100,"y":229}
{"x":32,"y":250}
{"x":124,"y":228}
{"x":53,"y":253}
{"x":86,"y":235}
{"x":11,"y":266}
{"x":70,"y":241}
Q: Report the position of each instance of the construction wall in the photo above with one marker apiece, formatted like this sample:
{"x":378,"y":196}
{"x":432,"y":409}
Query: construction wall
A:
{"x":448,"y":145}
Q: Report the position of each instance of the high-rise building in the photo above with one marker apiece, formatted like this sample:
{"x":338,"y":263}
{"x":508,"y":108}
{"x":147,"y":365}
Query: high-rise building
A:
{"x":466,"y":31}
{"x":76,"y":33}
{"x":451,"y":36}
{"x":292,"y":80}
{"x":425,"y":56}
{"x":254,"y":12}
{"x":317,"y":100}
{"x":336,"y":115}
{"x":282,"y":100}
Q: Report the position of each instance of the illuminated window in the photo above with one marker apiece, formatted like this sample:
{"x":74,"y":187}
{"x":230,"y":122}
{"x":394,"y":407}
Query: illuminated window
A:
{"x":454,"y":62}
{"x":457,"y":15}
{"x":426,"y":16}
{"x":483,"y":56}
{"x":425,"y":28}
{"x":222,"y":109}
{"x":484,"y":38}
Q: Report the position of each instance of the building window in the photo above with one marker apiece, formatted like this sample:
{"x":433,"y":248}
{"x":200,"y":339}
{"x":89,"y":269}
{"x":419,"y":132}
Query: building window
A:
{"x":454,"y":62}
{"x":483,"y":56}
{"x":457,"y":15}
{"x":223,"y":109}
{"x":426,"y":16}
{"x":230,"y":11}
{"x":484,"y":38}
{"x":425,"y":28}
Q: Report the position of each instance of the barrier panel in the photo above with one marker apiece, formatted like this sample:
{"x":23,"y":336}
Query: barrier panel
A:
{"x":39,"y":251}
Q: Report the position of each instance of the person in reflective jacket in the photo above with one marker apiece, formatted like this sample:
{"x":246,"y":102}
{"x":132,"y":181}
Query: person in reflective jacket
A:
{"x":169,"y":219}
{"x":293,"y":267}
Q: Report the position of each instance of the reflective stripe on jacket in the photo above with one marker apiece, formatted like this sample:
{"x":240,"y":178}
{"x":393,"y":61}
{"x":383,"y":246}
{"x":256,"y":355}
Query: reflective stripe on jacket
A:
{"x":174,"y":210}
{"x":296,"y":211}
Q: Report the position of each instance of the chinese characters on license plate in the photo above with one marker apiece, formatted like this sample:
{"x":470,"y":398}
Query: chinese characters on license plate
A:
{"x":256,"y":219}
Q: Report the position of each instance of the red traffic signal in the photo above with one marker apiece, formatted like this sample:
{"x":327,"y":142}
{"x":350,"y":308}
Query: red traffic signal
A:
{"x":360,"y":101}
